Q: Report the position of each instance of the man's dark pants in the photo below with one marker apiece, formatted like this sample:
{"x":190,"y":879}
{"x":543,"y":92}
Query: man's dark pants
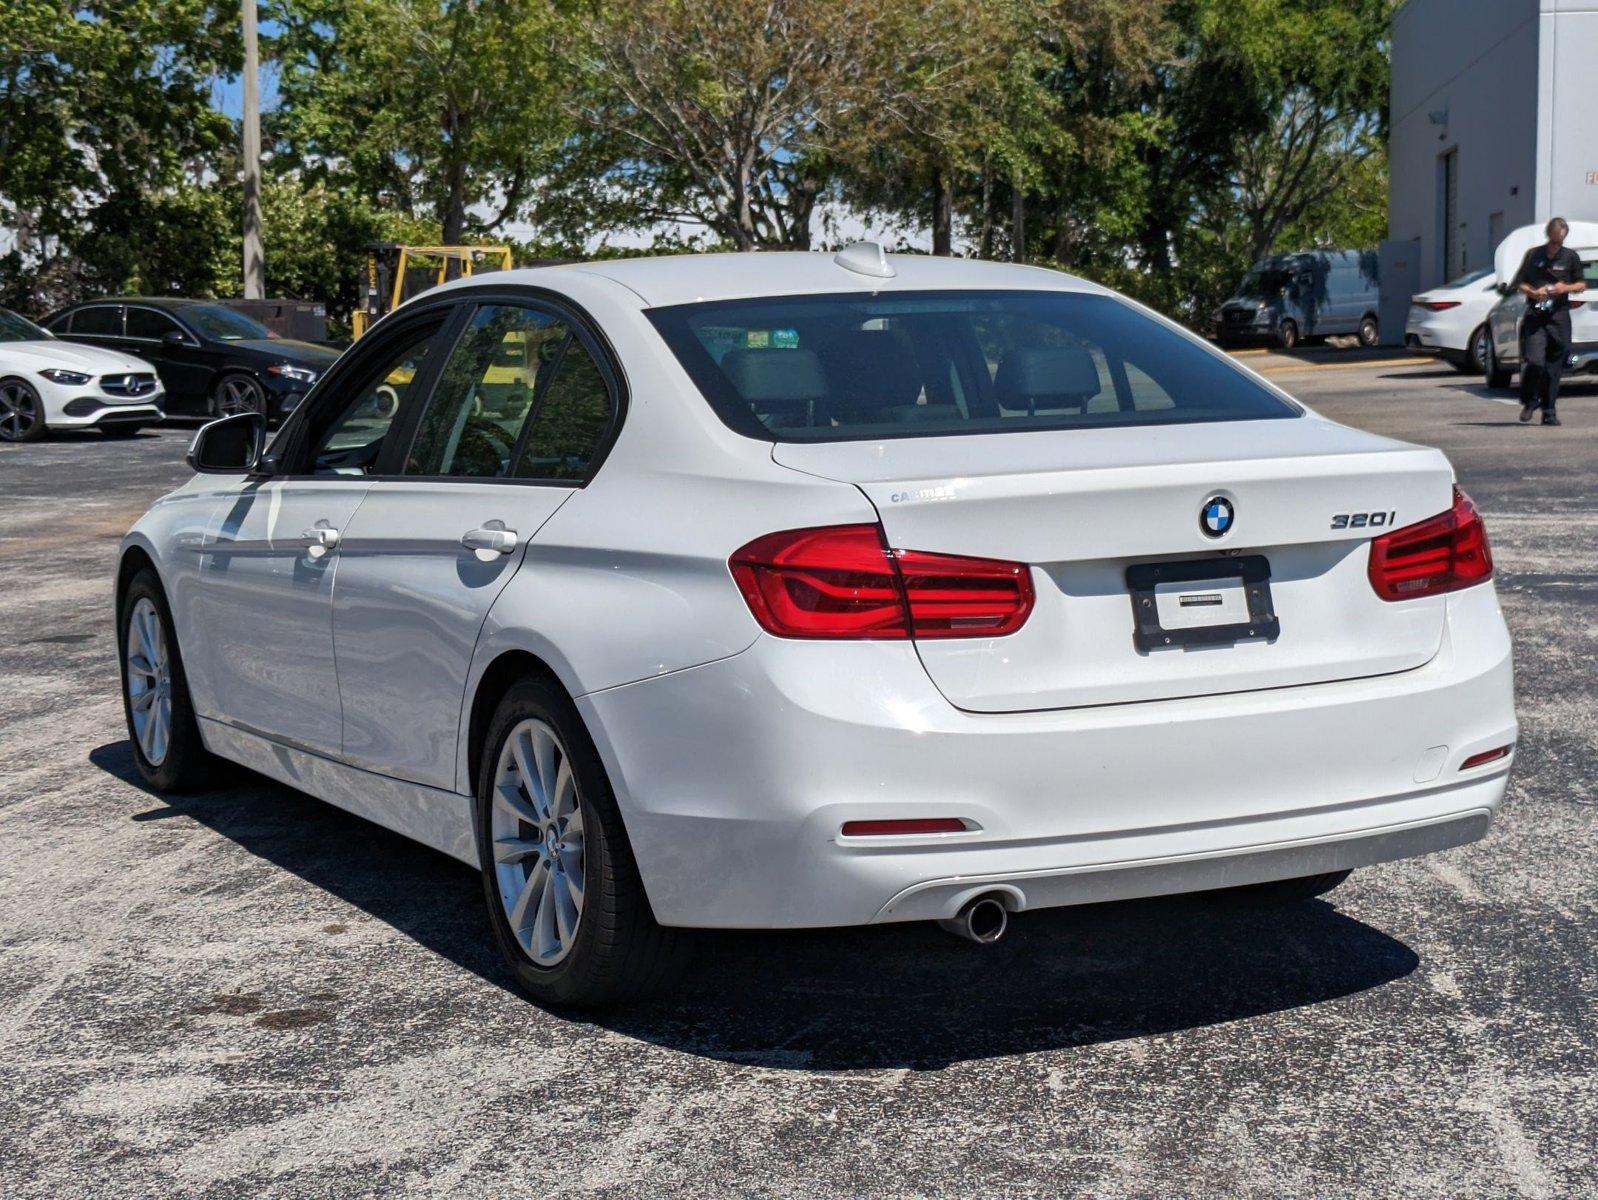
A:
{"x":1544,"y":347}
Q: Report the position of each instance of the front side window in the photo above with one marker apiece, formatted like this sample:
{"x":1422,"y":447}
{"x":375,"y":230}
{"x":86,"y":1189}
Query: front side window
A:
{"x":852,"y":367}
{"x":519,"y":397}
{"x":225,"y":325}
{"x":353,"y":442}
{"x":150,"y":325}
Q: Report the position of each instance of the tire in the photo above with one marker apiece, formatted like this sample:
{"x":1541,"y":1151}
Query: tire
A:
{"x":179,"y":762}
{"x":21,"y":412}
{"x":1496,"y":376}
{"x":1475,"y":360}
{"x":1370,"y":333}
{"x":1284,"y":891}
{"x":613,"y":950}
{"x":236,"y":393}
{"x":1287,"y":335}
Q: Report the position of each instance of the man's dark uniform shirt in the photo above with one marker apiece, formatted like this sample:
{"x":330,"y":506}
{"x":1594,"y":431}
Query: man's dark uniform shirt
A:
{"x":1539,"y":269}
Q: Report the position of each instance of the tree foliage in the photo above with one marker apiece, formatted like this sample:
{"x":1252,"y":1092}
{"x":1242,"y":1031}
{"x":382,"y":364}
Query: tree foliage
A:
{"x":449,"y":107}
{"x":718,"y":111}
{"x":107,"y":130}
{"x":1157,"y":145}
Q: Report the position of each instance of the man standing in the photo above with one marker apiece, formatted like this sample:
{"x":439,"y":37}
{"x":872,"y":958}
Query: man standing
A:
{"x":1549,"y":275}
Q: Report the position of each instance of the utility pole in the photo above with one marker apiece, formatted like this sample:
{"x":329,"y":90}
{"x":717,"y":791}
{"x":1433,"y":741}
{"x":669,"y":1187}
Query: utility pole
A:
{"x":254,"y":255}
{"x":1018,"y":222}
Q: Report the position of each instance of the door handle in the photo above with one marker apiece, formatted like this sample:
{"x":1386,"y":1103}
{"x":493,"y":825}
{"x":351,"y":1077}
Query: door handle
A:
{"x":493,"y":538}
{"x":321,"y":537}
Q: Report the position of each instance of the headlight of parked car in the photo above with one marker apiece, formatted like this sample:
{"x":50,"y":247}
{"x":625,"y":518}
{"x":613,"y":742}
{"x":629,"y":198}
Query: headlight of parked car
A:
{"x":70,"y":378}
{"x":298,"y":374}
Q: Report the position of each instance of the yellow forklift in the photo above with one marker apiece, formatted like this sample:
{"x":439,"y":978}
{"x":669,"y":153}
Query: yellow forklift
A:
{"x":395,"y":273}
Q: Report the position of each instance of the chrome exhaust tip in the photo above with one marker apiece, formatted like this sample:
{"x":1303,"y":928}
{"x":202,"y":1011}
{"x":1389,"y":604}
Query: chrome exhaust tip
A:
{"x":983,"y":920}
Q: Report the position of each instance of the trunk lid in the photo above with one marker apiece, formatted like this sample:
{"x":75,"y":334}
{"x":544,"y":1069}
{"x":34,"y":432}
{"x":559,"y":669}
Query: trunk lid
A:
{"x":1081,"y":506}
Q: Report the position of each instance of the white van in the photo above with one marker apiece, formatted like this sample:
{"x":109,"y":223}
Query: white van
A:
{"x":1289,"y":298}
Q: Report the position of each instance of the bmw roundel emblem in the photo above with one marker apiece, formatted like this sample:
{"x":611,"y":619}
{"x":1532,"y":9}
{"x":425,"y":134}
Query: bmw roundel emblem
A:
{"x":1215,"y":518}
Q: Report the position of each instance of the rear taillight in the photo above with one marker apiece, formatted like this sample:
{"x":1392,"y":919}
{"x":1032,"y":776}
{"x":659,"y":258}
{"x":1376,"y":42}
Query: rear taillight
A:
{"x":1439,"y":305}
{"x":842,"y":581}
{"x":1577,"y":303}
{"x":1440,"y":554}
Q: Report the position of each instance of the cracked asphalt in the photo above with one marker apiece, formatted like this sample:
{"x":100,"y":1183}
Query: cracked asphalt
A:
{"x":248,"y":993}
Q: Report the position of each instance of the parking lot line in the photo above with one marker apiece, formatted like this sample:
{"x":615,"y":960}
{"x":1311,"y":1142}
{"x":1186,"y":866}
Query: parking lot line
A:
{"x":1340,"y":366}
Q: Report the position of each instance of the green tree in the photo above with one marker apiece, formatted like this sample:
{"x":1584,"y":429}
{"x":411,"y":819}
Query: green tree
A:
{"x":958,"y":97}
{"x":315,"y":240}
{"x":1247,"y":125}
{"x":437,"y":107}
{"x":718,"y":112}
{"x":106,"y":127}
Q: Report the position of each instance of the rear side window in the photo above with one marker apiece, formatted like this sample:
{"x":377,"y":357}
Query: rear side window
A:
{"x":106,"y":320}
{"x":852,"y":367}
{"x":573,"y":418}
{"x":519,"y":397}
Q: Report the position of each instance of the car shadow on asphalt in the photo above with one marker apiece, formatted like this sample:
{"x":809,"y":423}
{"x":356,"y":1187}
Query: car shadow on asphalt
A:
{"x":144,"y":434}
{"x":885,"y":997}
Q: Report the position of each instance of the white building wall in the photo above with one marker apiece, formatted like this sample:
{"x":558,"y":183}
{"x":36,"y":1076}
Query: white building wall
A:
{"x":1466,"y":79}
{"x":1567,"y":132}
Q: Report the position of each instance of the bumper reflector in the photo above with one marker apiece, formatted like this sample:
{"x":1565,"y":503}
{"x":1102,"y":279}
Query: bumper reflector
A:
{"x":911,"y":825}
{"x":1486,"y":756}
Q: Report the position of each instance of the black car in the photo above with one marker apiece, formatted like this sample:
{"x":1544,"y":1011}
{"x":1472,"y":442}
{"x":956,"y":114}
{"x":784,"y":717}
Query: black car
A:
{"x":212,"y":360}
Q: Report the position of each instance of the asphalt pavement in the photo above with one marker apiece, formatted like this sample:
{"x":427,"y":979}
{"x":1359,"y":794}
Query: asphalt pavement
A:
{"x":249,"y":993}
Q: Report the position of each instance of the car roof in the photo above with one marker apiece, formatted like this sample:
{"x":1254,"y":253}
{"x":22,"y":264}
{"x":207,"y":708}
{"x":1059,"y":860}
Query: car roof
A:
{"x":171,"y":302}
{"x":692,"y":278}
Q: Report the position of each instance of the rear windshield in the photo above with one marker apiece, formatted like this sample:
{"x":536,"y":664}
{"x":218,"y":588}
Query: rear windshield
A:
{"x":1468,"y":278}
{"x":852,"y":367}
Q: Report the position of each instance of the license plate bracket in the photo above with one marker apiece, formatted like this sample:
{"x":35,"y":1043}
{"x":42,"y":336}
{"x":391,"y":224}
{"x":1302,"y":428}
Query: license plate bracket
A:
{"x":1151,"y":583}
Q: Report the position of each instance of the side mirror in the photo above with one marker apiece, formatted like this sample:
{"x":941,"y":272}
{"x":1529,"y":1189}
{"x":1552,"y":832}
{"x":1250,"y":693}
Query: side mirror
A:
{"x":173,"y":338}
{"x":229,"y":445}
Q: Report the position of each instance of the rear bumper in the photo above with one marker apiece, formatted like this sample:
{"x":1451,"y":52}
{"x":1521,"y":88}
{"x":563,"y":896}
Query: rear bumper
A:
{"x":1093,"y":883}
{"x":1430,"y":339}
{"x":735,"y":778}
{"x":1417,"y":345}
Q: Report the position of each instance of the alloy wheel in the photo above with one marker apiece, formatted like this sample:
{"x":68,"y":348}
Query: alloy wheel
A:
{"x":237,"y":395}
{"x":19,"y":412}
{"x":536,"y":826}
{"x":1480,"y":349}
{"x":149,"y":682}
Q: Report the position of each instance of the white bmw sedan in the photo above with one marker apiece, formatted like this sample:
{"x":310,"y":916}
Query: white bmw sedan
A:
{"x":46,"y":383}
{"x":787,"y":590}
